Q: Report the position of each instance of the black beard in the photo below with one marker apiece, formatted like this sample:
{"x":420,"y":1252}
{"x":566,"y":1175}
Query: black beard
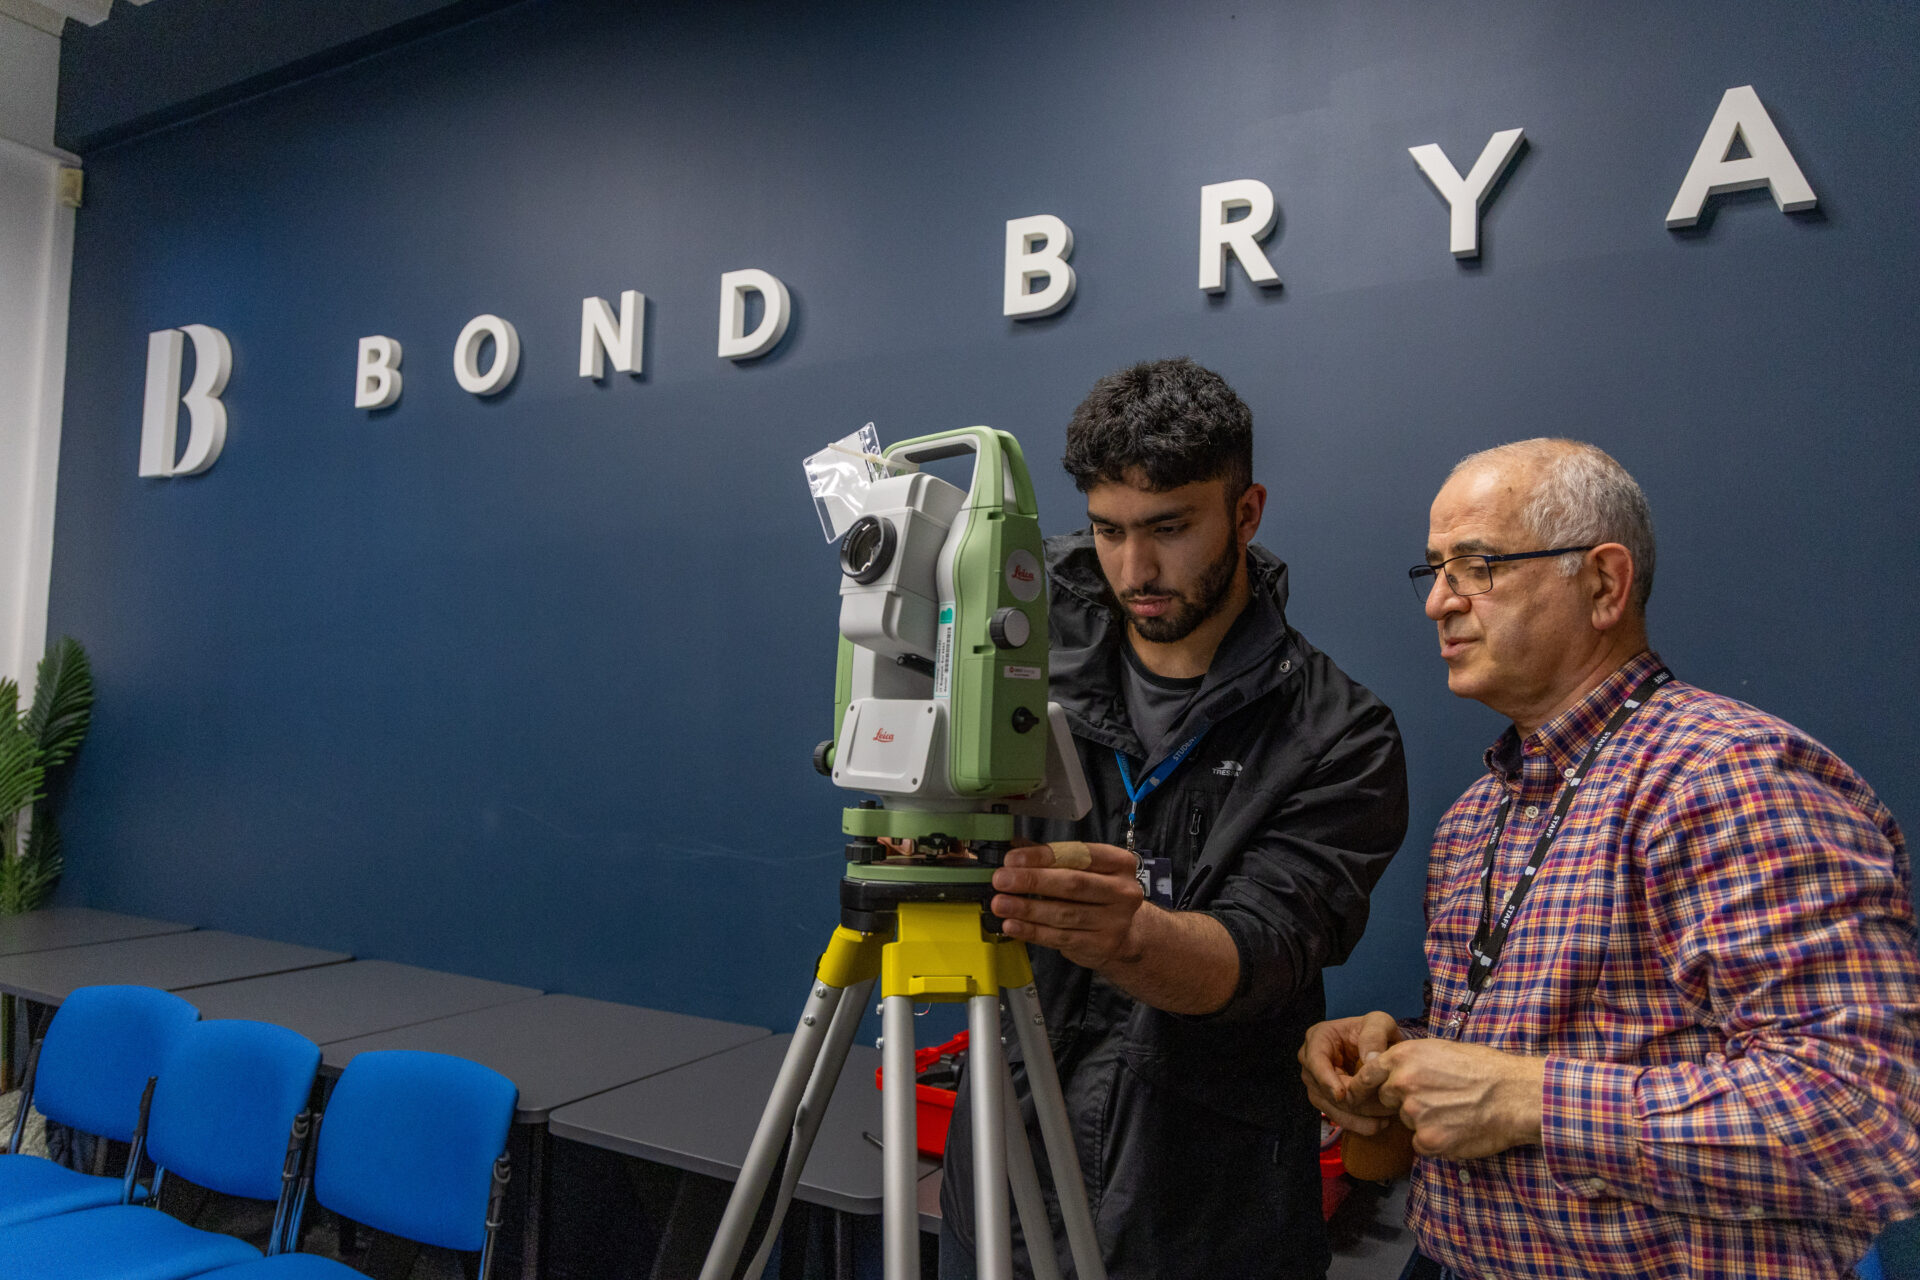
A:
{"x":1209,"y":594}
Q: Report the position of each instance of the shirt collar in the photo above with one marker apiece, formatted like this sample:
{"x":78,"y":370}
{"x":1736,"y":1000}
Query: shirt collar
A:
{"x":1565,"y":738}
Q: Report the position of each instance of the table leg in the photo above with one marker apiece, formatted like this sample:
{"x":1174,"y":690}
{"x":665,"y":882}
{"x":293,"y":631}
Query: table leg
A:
{"x":536,"y":1201}
{"x":843,"y":1246}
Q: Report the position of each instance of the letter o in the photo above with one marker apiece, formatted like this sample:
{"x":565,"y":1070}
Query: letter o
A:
{"x":506,"y":355}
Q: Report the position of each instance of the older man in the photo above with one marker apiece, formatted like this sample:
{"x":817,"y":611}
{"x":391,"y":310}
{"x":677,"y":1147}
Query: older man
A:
{"x":1672,"y":1017}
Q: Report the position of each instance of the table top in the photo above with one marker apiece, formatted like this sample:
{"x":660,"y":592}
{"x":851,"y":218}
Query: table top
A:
{"x":53,"y":927}
{"x":173,"y":962}
{"x":702,"y":1117}
{"x":358,"y":998}
{"x":560,"y":1048}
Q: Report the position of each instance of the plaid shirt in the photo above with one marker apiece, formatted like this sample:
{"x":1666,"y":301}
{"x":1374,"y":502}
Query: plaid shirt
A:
{"x":1718,"y":963}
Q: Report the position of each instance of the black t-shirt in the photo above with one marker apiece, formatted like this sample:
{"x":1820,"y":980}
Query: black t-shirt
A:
{"x":1154,"y":702}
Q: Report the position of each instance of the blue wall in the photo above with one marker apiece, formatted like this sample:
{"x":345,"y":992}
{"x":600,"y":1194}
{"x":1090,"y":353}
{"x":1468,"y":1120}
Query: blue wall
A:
{"x":525,"y":687}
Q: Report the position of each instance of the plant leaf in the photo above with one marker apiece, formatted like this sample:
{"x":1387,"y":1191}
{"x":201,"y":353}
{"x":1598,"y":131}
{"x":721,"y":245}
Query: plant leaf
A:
{"x":37,"y":870}
{"x":20,"y":771}
{"x":62,"y":702}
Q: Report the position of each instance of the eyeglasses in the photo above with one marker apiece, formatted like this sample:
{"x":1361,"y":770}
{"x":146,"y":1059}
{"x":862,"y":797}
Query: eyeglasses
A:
{"x":1473,"y":575}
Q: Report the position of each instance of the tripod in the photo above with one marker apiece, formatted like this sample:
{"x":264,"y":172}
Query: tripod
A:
{"x":920,"y":944}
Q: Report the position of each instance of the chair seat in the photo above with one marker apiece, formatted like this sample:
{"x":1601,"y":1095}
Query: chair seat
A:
{"x":290,"y":1266}
{"x":32,"y":1187}
{"x":123,"y":1242}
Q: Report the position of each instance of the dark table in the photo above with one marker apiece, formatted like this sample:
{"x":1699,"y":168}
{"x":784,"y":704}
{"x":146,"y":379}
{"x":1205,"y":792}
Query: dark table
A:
{"x":172,"y":962}
{"x":358,"y":998}
{"x":558,"y":1049}
{"x":54,"y":927}
{"x":701,"y":1119}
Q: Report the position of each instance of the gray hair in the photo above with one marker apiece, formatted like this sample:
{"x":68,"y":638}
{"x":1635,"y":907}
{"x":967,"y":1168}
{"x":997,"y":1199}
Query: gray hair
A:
{"x":1581,"y":497}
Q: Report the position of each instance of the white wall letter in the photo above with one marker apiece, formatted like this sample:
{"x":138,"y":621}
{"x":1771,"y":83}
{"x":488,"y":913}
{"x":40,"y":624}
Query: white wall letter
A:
{"x":1767,"y":163}
{"x":506,"y":355}
{"x":1464,"y":195}
{"x":206,"y":415}
{"x":1037,"y":246}
{"x":600,"y":337}
{"x":735,"y":344}
{"x":378,"y":383}
{"x":1218,"y":236}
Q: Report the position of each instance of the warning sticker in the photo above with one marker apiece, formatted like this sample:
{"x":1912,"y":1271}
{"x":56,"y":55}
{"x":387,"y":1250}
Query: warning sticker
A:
{"x":943,"y":654}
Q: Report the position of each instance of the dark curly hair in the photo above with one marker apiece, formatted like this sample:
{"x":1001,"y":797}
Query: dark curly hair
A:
{"x":1171,"y":420}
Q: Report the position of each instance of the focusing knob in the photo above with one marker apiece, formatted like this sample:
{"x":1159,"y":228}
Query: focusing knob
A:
{"x":823,"y":757}
{"x":1024,"y":719}
{"x":1010,"y":628}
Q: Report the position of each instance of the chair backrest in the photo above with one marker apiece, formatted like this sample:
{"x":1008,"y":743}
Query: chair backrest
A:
{"x":101,"y":1048}
{"x":408,"y":1142}
{"x":227,"y":1096}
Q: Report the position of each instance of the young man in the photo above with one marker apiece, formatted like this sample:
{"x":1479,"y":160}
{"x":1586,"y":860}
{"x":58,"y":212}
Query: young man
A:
{"x":1259,"y":790}
{"x":1673,"y":1018}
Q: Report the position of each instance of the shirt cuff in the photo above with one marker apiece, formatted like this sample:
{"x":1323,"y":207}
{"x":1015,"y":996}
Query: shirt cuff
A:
{"x":1587,"y":1126}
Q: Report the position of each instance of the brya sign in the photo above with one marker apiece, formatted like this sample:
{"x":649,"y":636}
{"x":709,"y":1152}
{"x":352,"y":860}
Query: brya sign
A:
{"x":1038,"y":280}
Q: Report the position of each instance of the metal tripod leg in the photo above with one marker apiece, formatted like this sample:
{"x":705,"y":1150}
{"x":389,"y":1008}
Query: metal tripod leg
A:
{"x":1043,"y":1081}
{"x":813,"y":1107}
{"x":1032,"y":1206}
{"x":987,"y":1067}
{"x":787,"y":1127}
{"x":899,"y":1134}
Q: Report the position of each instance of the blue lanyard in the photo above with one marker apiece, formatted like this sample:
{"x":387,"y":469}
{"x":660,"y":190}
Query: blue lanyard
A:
{"x":1152,"y":780}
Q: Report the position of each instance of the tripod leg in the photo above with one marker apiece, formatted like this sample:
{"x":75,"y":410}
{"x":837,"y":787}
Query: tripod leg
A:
{"x":899,"y":1142}
{"x":771,"y":1139}
{"x":813,"y":1106}
{"x":993,"y":1232}
{"x":1044,"y":1082}
{"x":1034,"y":1225}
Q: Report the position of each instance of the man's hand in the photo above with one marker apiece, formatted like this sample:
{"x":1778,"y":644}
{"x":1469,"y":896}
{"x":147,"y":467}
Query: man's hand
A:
{"x":1329,"y":1059}
{"x":1086,"y":915}
{"x":1097,"y":916}
{"x":1462,"y":1101}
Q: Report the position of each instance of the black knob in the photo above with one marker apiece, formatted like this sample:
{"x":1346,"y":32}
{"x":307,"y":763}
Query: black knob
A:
{"x":1024,"y":719}
{"x":1009,"y":628}
{"x":823,"y":758}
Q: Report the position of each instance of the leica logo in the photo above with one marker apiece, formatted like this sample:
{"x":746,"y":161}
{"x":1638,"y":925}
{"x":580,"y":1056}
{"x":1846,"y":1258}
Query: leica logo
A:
{"x":1022,"y":574}
{"x":883,"y":736}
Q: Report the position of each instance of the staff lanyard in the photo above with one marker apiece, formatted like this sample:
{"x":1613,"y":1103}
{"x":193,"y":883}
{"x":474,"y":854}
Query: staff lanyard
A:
{"x":1490,"y":939}
{"x":1151,"y":782}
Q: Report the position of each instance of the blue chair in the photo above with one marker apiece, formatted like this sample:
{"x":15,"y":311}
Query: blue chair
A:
{"x":89,"y":1072}
{"x":412,"y":1144}
{"x":228,"y":1095}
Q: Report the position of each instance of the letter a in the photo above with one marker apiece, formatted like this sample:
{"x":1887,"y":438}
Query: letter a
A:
{"x":1767,"y":163}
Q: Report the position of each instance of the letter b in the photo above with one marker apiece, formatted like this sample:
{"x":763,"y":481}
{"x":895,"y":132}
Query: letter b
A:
{"x":206,"y":415}
{"x":378,"y":384}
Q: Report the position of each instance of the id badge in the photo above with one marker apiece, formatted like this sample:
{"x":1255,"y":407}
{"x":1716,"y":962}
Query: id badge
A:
{"x":1156,"y":879}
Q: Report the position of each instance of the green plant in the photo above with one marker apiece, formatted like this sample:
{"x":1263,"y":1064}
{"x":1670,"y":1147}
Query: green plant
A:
{"x":32,"y":746}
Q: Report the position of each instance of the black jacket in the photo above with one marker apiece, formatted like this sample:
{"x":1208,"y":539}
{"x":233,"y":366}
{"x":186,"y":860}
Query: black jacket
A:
{"x":1197,"y":1142}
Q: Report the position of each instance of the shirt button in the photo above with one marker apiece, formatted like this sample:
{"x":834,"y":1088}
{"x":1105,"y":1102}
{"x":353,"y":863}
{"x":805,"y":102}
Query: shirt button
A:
{"x":1465,"y":1176}
{"x":1533,"y":811}
{"x":1755,"y":1211}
